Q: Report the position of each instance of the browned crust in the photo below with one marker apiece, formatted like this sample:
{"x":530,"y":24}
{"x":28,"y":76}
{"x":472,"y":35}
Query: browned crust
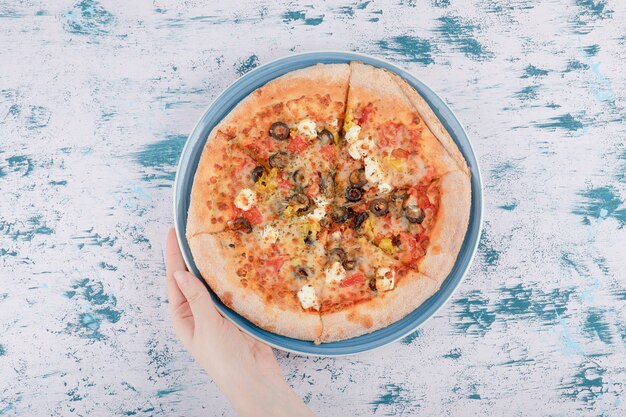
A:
{"x":320,"y":79}
{"x":395,"y":101}
{"x":199,"y":215}
{"x":450,"y":227}
{"x":434,"y":124}
{"x":219,"y":272}
{"x":391,"y":306}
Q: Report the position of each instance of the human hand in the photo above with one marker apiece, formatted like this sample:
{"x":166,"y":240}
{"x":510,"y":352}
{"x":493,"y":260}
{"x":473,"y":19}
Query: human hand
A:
{"x":244,"y":368}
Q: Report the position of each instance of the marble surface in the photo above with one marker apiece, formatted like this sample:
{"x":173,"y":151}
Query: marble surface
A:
{"x":96,"y":101}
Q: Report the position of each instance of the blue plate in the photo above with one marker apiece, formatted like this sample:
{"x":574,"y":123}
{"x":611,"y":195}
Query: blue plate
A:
{"x":260,"y":76}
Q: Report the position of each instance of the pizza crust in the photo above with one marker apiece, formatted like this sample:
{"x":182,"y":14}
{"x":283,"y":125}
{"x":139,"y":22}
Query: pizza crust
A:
{"x":410,"y":292}
{"x":219,"y":272}
{"x":450,"y":227}
{"x":198,"y":215}
{"x":394,"y":100}
{"x":317,"y":80}
{"x":434,"y":124}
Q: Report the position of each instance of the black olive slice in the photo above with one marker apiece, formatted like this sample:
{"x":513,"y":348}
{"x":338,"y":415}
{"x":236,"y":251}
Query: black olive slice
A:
{"x":326,"y":137}
{"x":349,"y":264}
{"x":257,"y":173}
{"x":414,"y":214}
{"x":337,"y":255}
{"x":371,"y":283}
{"x":379,"y":207}
{"x":279,"y":131}
{"x":353,"y":194}
{"x":242,"y":225}
{"x":357,"y":177}
{"x":327,"y":184}
{"x":279,"y":160}
{"x":301,"y":202}
{"x":301,"y":272}
{"x":299,"y":178}
{"x":309,"y":240}
{"x":341,"y":214}
{"x":399,"y":193}
{"x":360,"y":218}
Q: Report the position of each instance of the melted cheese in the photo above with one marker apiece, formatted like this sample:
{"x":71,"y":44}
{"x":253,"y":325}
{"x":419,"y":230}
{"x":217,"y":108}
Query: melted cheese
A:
{"x":269,"y":235}
{"x":385,"y":279}
{"x":335,"y":273}
{"x":245,"y":199}
{"x":308,"y":298}
{"x":307,"y":128}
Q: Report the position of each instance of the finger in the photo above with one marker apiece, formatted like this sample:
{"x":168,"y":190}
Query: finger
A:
{"x":198,"y":299}
{"x":173,"y":262}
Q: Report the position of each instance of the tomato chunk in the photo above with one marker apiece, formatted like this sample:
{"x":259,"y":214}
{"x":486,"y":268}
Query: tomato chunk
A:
{"x":253,"y":216}
{"x":400,"y":153}
{"x":276,"y":263}
{"x":358,"y":278}
{"x":328,"y":151}
{"x":297,"y":145}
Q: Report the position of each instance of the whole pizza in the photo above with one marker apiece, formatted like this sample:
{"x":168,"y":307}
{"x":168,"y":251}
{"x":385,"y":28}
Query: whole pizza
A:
{"x":329,"y":203}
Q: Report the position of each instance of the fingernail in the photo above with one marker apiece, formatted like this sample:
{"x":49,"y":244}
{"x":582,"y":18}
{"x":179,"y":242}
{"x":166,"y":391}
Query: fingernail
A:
{"x":181,"y":277}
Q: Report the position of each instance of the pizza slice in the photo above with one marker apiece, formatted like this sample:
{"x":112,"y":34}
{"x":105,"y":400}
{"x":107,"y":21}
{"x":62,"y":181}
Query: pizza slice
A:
{"x":364,"y":288}
{"x":296,"y":115}
{"x":271,"y":275}
{"x":400,"y":169}
{"x":223,"y":191}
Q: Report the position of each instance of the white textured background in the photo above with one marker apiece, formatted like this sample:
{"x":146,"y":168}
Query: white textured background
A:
{"x":96,"y":100}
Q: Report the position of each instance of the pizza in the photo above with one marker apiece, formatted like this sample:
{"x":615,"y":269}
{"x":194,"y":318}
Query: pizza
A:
{"x":329,"y":203}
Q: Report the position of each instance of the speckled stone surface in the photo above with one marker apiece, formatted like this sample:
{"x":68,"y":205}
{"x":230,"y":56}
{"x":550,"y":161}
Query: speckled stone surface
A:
{"x":96,"y":101}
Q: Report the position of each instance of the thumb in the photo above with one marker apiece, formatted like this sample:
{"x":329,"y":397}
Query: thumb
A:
{"x":197,"y":296}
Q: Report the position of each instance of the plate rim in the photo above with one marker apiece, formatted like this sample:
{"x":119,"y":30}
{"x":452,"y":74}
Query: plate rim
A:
{"x":319,"y":54}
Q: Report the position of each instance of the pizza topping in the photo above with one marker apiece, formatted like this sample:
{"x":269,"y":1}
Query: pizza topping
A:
{"x":242,"y":225}
{"x":386,"y":245}
{"x":357,"y":177}
{"x":326,"y":137}
{"x":298,"y":204}
{"x":245,"y":199}
{"x":253,"y":216}
{"x":257,"y":173}
{"x":399,"y":193}
{"x":327,"y":184}
{"x":354,"y":279}
{"x":349,"y":264}
{"x":279,"y":160}
{"x":269,"y":235}
{"x":358,"y":147}
{"x":307,"y":128}
{"x":414,"y":214}
{"x":299,"y":178}
{"x":320,"y":211}
{"x":297,"y":145}
{"x":335,"y":273}
{"x":352,"y":134}
{"x":353,"y":194}
{"x":385,"y":279}
{"x":360,"y":218}
{"x":300,"y":272}
{"x":384,"y":188}
{"x":308,"y":298}
{"x":341,"y":214}
{"x":337,"y":255}
{"x":279,"y":131}
{"x":373,"y":172}
{"x":379,"y":207}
